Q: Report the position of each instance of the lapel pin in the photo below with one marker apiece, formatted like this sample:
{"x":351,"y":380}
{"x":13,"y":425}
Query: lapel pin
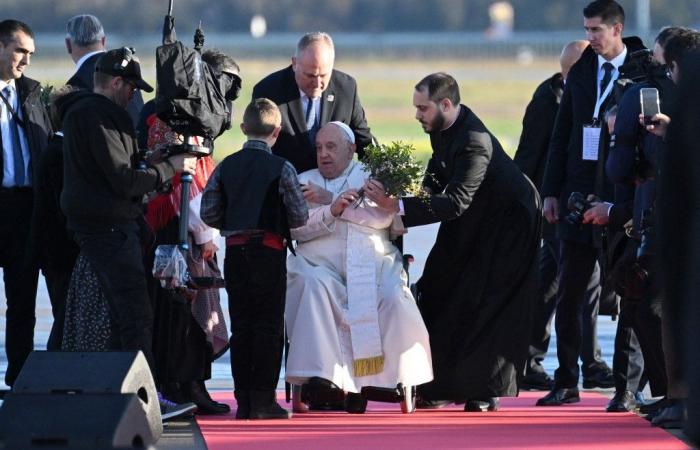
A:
{"x":330,"y":97}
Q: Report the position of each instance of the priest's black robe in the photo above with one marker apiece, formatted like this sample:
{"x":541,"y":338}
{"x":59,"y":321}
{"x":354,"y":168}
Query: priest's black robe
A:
{"x":477,"y":290}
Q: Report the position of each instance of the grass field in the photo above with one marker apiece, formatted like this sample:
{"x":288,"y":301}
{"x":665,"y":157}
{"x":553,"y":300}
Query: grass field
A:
{"x":497,"y":91}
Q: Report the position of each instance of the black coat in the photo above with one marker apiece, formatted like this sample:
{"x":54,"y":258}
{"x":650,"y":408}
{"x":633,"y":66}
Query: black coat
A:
{"x":83,"y":79}
{"x":477,"y":289}
{"x":36,"y":119}
{"x":339,"y":102}
{"x":566,"y":171}
{"x":37,"y":131}
{"x":538,"y":122}
{"x":102,"y":185}
{"x":59,"y":249}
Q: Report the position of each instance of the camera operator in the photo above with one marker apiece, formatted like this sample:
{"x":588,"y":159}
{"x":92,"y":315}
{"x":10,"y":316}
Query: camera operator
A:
{"x":103,"y":191}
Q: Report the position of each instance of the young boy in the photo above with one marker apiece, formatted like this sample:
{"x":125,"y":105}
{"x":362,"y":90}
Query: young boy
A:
{"x":254,"y":198}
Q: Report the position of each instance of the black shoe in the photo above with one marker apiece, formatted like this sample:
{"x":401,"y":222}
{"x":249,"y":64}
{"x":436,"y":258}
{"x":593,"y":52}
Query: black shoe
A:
{"x":489,"y":404}
{"x":205,"y":404}
{"x":263,"y":406}
{"x":355,"y":403}
{"x":671,"y":417}
{"x":322,"y":395}
{"x":432,"y":404}
{"x":653,"y":406}
{"x":602,"y":378}
{"x":536,"y":381}
{"x":243,"y":404}
{"x":559,"y":396}
{"x":622,"y":401}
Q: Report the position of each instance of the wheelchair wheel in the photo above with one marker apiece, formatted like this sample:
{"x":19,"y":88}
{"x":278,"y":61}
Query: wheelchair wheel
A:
{"x":408,"y":403}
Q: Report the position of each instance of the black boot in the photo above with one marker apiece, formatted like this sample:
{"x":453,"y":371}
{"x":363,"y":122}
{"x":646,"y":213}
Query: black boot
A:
{"x":243,"y":400}
{"x":201,"y":398}
{"x":263,"y":405}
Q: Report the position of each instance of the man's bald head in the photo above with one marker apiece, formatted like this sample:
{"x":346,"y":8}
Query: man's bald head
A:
{"x":570,"y":54}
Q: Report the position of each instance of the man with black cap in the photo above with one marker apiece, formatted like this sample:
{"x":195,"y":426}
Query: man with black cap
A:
{"x":103,"y":190}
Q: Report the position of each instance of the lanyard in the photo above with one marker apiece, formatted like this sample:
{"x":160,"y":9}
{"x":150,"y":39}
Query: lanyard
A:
{"x":604,"y":95}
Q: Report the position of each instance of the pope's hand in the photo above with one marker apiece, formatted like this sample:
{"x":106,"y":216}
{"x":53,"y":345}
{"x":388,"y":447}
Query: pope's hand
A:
{"x":313,"y":193}
{"x":344,"y":200}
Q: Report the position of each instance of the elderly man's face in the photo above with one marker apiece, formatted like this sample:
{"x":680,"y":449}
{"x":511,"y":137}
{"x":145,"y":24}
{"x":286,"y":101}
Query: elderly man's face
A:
{"x":15,"y":56}
{"x":333,"y":151}
{"x":312,"y":69}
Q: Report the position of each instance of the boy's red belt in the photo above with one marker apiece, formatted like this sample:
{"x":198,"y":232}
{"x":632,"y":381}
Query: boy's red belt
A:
{"x":270,"y":240}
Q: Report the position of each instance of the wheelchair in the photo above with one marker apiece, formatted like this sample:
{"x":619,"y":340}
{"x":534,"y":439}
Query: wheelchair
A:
{"x":333,"y":397}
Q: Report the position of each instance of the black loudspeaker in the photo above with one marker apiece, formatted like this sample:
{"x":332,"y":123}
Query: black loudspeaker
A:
{"x":90,"y":373}
{"x":69,"y":421}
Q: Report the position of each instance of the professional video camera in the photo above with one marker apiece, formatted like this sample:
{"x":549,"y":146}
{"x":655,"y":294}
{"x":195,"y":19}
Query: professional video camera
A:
{"x":190,"y":98}
{"x":196,"y":103}
{"x":577,"y":205}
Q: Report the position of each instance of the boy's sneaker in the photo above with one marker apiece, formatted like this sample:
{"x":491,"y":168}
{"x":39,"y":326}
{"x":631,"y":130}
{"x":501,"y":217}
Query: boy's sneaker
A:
{"x":170,"y":410}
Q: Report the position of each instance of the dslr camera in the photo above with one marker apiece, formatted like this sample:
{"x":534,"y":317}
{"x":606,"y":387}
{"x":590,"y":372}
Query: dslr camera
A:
{"x":577,"y":205}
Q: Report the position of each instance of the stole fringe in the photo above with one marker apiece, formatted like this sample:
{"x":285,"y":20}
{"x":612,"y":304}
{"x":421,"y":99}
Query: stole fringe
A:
{"x":368,"y":366}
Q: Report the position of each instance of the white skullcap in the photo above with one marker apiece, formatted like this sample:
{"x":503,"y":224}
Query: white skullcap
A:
{"x":348,"y":132}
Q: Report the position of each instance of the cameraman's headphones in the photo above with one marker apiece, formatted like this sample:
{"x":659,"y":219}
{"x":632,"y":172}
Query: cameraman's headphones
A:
{"x":126,"y":56}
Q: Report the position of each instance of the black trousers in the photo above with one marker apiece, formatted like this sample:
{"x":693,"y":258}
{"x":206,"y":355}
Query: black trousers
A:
{"x":20,"y":278}
{"x":256,"y":283}
{"x":57,"y":283}
{"x":577,"y":272}
{"x":628,"y":361}
{"x":117,"y":258}
{"x":546,"y":305}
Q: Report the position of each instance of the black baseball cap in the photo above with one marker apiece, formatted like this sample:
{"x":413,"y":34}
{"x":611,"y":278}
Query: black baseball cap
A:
{"x":123,"y":63}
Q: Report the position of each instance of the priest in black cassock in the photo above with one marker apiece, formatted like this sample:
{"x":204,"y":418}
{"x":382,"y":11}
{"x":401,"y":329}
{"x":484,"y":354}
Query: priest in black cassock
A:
{"x":477,"y":290}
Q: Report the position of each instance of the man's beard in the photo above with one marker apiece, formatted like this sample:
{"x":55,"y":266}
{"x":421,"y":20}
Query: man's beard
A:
{"x":437,"y":124}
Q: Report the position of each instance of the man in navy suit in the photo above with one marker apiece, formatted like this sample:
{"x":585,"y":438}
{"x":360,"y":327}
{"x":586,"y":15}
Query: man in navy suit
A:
{"x":309,"y":94}
{"x":86,"y":42}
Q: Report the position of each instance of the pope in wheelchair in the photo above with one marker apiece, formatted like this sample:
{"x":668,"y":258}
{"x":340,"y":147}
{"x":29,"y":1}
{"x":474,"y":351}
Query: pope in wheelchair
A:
{"x":354,"y":328}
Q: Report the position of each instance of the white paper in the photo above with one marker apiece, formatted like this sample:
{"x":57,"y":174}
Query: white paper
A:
{"x":591,"y":140}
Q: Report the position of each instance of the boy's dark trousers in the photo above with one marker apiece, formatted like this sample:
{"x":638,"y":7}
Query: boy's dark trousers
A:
{"x":256,"y":283}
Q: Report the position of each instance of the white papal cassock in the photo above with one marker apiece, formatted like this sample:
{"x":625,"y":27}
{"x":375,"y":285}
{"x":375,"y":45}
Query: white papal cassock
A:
{"x":347,"y":299}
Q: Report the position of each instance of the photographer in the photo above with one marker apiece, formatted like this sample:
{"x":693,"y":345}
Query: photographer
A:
{"x":103,"y":190}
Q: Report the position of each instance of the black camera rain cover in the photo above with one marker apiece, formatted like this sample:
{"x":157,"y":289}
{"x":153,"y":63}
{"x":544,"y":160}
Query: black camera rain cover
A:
{"x":188,"y":97}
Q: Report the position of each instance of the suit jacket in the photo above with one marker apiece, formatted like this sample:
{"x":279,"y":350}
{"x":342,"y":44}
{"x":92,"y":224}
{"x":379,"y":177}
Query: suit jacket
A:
{"x":83,"y":79}
{"x":566,"y":170}
{"x":339,"y":102}
{"x":36,"y":120}
{"x":37,"y":131}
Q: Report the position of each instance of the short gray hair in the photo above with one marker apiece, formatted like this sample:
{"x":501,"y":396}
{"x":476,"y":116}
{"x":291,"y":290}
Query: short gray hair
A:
{"x":84,"y":30}
{"x":313,"y":37}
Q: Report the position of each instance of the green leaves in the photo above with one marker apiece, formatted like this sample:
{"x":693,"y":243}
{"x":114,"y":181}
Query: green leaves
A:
{"x":395,"y":167}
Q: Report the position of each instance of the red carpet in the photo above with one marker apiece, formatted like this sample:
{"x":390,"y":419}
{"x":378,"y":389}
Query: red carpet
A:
{"x":518,"y":424}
